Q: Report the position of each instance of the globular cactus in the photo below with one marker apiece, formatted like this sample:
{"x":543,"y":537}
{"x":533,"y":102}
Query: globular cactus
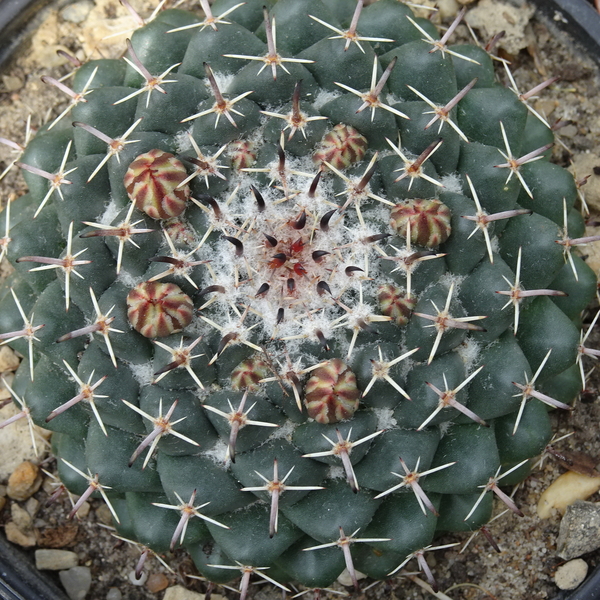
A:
{"x":295,"y":287}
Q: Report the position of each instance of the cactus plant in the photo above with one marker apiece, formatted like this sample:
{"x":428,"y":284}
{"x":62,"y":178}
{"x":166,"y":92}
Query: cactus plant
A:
{"x":302,"y":271}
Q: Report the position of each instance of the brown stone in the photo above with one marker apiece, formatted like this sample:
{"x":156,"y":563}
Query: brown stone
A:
{"x":24,"y":481}
{"x":2,"y":502}
{"x":157,"y":582}
{"x":57,"y":537}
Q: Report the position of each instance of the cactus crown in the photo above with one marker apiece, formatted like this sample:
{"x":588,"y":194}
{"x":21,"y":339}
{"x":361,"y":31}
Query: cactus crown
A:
{"x":299,"y":278}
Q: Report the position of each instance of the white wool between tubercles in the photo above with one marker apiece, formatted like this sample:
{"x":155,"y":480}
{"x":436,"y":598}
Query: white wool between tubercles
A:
{"x":469,"y":352}
{"x":143,"y":373}
{"x":495,"y":244}
{"x":392,"y":99}
{"x":385,"y":418}
{"x":110,"y":213}
{"x":182,"y":140}
{"x":218,"y":454}
{"x":128,"y":279}
{"x":452,"y":183}
{"x":445,"y":427}
{"x":284,"y":432}
{"x":448,"y":279}
{"x":336,"y":472}
{"x":202,"y":394}
{"x":408,"y":364}
{"x":256,"y":137}
{"x":224,"y":80}
{"x":195,"y":329}
{"x":380,"y":214}
{"x":323,"y":97}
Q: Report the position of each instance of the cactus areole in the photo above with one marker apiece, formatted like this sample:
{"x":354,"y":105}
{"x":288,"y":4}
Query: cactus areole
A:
{"x":295,"y":287}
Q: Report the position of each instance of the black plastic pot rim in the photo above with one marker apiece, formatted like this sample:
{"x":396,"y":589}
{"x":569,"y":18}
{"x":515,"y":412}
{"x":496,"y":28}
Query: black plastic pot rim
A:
{"x":578,"y":18}
{"x":588,"y":590}
{"x":17,"y":19}
{"x":19,"y":580}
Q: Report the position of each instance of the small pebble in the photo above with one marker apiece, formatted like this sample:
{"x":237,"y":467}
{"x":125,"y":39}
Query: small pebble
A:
{"x":24,"y":481}
{"x":345,"y":579}
{"x":20,"y":517}
{"x":104,"y":515}
{"x":491,"y":16}
{"x":49,"y":485}
{"x":15,"y":441}
{"x":579,"y":531}
{"x":587,"y":164}
{"x":178,"y":592}
{"x":84,"y":510}
{"x":141,"y":581}
{"x":9,"y":361}
{"x":114,"y":594}
{"x":447,"y":8}
{"x":16,"y":536}
{"x":76,"y":581}
{"x":593,"y":254}
{"x":2,"y":502}
{"x":9,"y":377}
{"x":571,"y":574}
{"x":77,"y":12}
{"x":568,"y":131}
{"x":546,"y":106}
{"x":31,"y":506}
{"x":55,"y":560}
{"x":157,"y":582}
{"x":564,"y":491}
{"x":12,"y":83}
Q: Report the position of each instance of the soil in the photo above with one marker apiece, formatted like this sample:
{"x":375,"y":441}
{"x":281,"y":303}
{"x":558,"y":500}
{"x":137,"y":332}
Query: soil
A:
{"x":525,"y":566}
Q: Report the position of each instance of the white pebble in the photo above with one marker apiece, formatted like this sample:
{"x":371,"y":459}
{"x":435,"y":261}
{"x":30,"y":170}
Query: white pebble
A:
{"x":135,"y":580}
{"x":571,"y":574}
{"x":564,"y":491}
{"x":77,"y":12}
{"x":180,"y":593}
{"x":76,"y":581}
{"x":114,"y":594}
{"x":345,"y":578}
{"x":55,"y":560}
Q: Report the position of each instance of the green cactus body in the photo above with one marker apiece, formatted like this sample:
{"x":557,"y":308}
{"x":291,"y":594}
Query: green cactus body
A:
{"x":316,"y":344}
